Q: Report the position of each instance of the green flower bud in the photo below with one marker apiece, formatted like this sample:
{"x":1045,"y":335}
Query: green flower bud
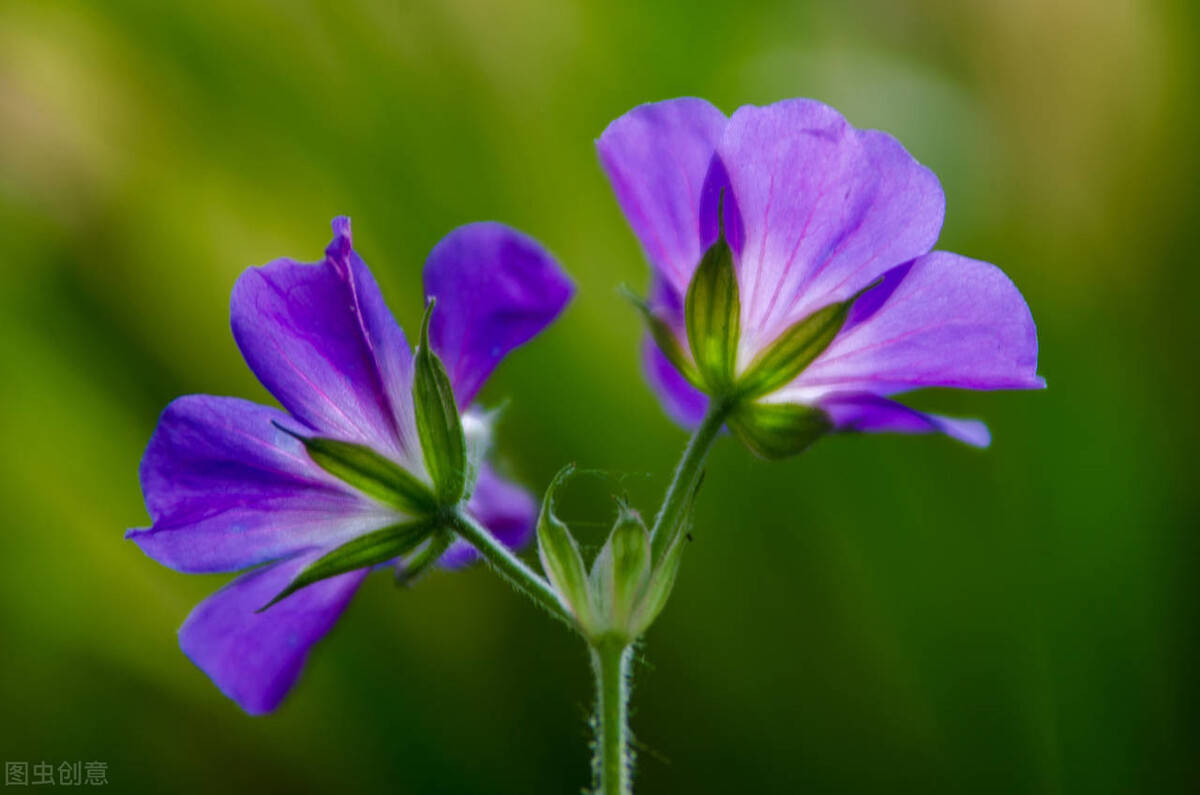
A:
{"x":621,"y":571}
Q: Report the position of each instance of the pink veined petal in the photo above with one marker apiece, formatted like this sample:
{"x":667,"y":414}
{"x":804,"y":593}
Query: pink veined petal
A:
{"x":227,"y":489}
{"x":656,"y":157}
{"x":504,"y":508}
{"x":496,"y":288}
{"x":823,"y":210}
{"x":867,"y":413}
{"x":940,"y":321}
{"x":255,"y":658}
{"x":322,"y":340}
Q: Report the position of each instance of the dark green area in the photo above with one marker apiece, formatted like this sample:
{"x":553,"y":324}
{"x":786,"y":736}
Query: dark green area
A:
{"x":877,"y":615}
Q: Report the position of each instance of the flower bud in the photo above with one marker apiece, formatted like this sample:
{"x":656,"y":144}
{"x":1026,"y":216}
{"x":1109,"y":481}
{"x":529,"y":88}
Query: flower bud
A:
{"x":621,"y":571}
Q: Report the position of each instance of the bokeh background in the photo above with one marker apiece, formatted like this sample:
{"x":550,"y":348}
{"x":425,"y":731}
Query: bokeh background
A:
{"x":883,"y":614}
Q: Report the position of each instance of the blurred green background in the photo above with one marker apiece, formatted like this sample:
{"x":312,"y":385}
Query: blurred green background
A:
{"x":883,"y":614}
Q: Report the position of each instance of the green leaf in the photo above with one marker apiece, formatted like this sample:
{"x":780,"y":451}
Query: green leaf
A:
{"x":366,"y":550}
{"x":793,"y":350}
{"x":778,"y":430}
{"x":620,"y":571}
{"x":438,"y":424}
{"x":666,"y":339}
{"x":712,"y":312}
{"x":369,"y":472}
{"x":561,"y":559}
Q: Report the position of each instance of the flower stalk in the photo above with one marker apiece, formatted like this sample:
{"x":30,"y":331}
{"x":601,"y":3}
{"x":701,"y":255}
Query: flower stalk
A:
{"x":508,"y":565}
{"x":612,"y":653}
{"x":687,"y":473}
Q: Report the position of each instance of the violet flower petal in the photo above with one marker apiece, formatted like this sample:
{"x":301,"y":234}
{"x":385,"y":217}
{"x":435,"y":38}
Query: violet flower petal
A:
{"x":504,"y":508}
{"x":657,"y":156}
{"x":682,"y":402}
{"x":873,"y":414}
{"x":226,"y":489}
{"x":824,"y":209}
{"x":496,"y":288}
{"x":941,"y":320}
{"x":321,"y":339}
{"x":255,"y":658}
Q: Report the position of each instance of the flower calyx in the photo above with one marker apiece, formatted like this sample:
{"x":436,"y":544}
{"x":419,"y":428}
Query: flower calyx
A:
{"x":620,"y":595}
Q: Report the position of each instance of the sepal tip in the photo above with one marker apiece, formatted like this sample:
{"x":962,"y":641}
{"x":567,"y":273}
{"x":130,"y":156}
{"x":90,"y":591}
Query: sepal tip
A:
{"x":439,"y":426}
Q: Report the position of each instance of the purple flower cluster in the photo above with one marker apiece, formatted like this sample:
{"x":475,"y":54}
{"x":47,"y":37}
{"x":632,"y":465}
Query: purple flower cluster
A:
{"x":815,"y":215}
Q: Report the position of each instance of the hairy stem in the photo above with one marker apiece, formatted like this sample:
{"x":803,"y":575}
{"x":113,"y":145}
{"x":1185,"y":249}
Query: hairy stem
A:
{"x":612,"y":764}
{"x":687,"y":473}
{"x":611,"y":655}
{"x":510,"y":567}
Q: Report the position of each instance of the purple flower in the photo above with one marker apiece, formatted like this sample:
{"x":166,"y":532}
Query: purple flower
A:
{"x":229,"y":487}
{"x":816,"y":212}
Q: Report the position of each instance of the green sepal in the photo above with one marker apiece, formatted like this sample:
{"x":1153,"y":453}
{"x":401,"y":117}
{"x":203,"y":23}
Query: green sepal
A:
{"x":795,"y":349}
{"x":438,"y":423}
{"x":712,"y":314}
{"x":424,"y":558}
{"x":666,"y":567}
{"x":561,"y":559}
{"x":658,"y":587}
{"x":778,"y":430}
{"x":369,"y":472}
{"x":621,"y":570}
{"x":666,"y":339}
{"x":666,"y":535}
{"x":366,"y":550}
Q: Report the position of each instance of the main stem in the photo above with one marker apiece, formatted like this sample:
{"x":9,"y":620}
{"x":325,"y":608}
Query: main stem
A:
{"x":509,"y":566}
{"x":611,"y":656}
{"x":610,"y":661}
